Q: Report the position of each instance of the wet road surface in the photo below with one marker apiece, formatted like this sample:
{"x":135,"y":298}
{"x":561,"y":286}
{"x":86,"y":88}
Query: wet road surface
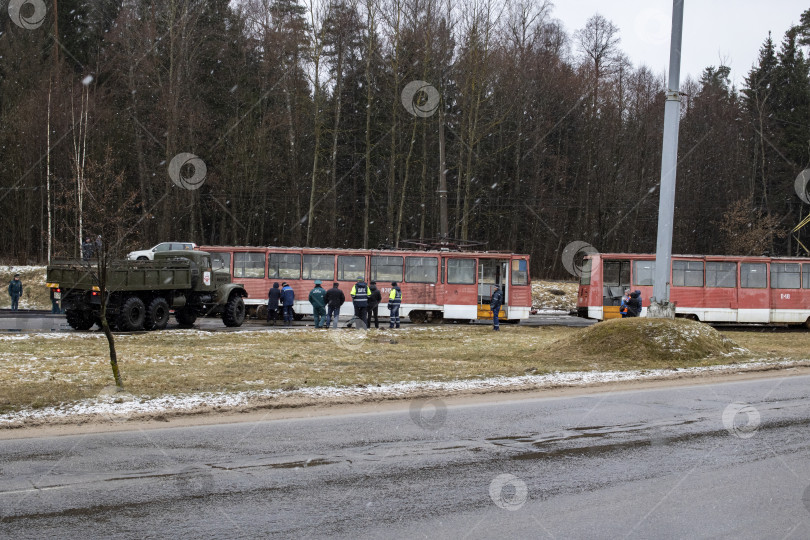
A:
{"x":724,"y":460}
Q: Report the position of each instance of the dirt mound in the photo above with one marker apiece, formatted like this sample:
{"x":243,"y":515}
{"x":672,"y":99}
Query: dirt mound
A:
{"x":651,"y":343}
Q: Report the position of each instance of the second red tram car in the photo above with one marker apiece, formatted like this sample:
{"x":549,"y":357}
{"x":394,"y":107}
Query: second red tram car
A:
{"x":717,"y":289}
{"x":435,"y":284}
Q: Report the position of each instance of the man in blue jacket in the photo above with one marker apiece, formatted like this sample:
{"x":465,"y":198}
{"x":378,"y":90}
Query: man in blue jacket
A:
{"x":15,"y":291}
{"x":495,"y":303}
{"x":287,"y":300}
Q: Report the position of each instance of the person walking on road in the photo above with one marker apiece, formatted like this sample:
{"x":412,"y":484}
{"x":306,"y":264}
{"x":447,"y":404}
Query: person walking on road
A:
{"x":287,"y":301}
{"x":374,"y":299}
{"x":359,"y":296}
{"x":15,"y":291}
{"x":317,"y":297}
{"x":334,"y":298}
{"x":273,"y":299}
{"x":495,"y":303}
{"x":394,"y":301}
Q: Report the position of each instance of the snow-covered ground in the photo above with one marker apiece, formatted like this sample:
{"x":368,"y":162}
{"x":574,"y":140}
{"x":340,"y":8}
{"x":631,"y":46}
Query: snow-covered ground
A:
{"x":119,"y":407}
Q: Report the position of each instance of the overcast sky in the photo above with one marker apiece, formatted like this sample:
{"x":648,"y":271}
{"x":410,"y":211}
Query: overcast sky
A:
{"x":733,"y":30}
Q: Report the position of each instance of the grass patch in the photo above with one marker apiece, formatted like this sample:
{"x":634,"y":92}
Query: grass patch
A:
{"x":52,"y":369}
{"x":35,"y":294}
{"x":649,"y":344}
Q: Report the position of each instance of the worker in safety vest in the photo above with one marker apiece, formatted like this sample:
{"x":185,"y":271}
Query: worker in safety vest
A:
{"x":394,"y":301}
{"x":359,"y":296}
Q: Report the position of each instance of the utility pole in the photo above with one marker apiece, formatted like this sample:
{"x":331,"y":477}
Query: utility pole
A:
{"x":443,"y":234}
{"x":660,"y":306}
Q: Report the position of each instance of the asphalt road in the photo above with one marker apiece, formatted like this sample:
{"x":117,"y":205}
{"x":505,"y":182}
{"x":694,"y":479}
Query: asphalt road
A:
{"x":717,"y":461}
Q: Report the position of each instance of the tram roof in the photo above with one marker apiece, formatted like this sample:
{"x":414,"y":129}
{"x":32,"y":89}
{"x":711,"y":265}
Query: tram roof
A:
{"x":360,"y":250}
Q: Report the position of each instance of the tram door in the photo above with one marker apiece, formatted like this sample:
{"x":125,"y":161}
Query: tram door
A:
{"x":615,"y":280}
{"x":492,"y":272}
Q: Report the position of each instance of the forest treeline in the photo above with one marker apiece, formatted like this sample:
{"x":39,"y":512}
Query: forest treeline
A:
{"x":309,"y":132}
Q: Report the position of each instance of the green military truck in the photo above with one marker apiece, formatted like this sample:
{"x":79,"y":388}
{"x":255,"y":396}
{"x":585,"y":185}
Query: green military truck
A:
{"x":141,"y":294}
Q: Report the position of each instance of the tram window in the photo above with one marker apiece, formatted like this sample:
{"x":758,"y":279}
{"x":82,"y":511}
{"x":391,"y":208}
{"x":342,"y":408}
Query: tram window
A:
{"x":221,"y":261}
{"x":585,"y":276}
{"x":422,"y":269}
{"x":284,"y":265}
{"x":351,"y":267}
{"x":806,"y":276}
{"x":643,"y":272}
{"x":461,"y":271}
{"x":520,"y":272}
{"x":786,"y":276}
{"x":754,"y":275}
{"x":248,"y":265}
{"x":386,"y":268}
{"x":687,"y":273}
{"x":319,"y":267}
{"x":721,"y":274}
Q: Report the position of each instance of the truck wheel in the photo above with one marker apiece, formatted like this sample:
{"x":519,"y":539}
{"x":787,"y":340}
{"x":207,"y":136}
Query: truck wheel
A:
{"x":234,"y":314}
{"x":185,"y":317}
{"x":157,"y":314}
{"x":132,"y":315}
{"x":78,"y":320}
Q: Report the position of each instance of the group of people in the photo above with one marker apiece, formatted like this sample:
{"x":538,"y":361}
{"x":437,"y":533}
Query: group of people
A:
{"x":366,"y":299}
{"x":631,"y":304}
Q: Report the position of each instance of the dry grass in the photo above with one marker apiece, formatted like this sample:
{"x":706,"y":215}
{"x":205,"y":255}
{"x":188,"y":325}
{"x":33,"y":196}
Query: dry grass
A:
{"x":41,"y":370}
{"x":557,"y":295}
{"x":35,"y":294}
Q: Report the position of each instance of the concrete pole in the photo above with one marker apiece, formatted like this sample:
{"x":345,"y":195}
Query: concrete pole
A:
{"x":669,"y":166}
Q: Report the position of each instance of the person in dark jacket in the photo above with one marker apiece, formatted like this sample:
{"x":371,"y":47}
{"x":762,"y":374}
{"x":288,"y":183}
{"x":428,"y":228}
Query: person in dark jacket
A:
{"x":334,"y":299}
{"x":634,"y":304}
{"x":360,"y":300}
{"x":495,"y":303}
{"x":273,"y":299}
{"x":374,"y":299}
{"x":87,"y":249}
{"x":317,"y":297}
{"x":287,"y":301}
{"x":15,"y":291}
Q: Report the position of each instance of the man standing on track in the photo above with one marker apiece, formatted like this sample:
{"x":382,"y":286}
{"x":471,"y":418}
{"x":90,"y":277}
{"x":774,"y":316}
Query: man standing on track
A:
{"x":495,"y":305}
{"x":317,"y":297}
{"x":335,"y":298}
{"x":15,"y":291}
{"x":394,"y":301}
{"x":374,"y":300}
{"x":287,"y":299}
{"x":360,"y":300}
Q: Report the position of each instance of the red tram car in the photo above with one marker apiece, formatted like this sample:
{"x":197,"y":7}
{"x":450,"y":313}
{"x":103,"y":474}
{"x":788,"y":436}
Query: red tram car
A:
{"x":435,"y":285}
{"x":709,"y":288}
